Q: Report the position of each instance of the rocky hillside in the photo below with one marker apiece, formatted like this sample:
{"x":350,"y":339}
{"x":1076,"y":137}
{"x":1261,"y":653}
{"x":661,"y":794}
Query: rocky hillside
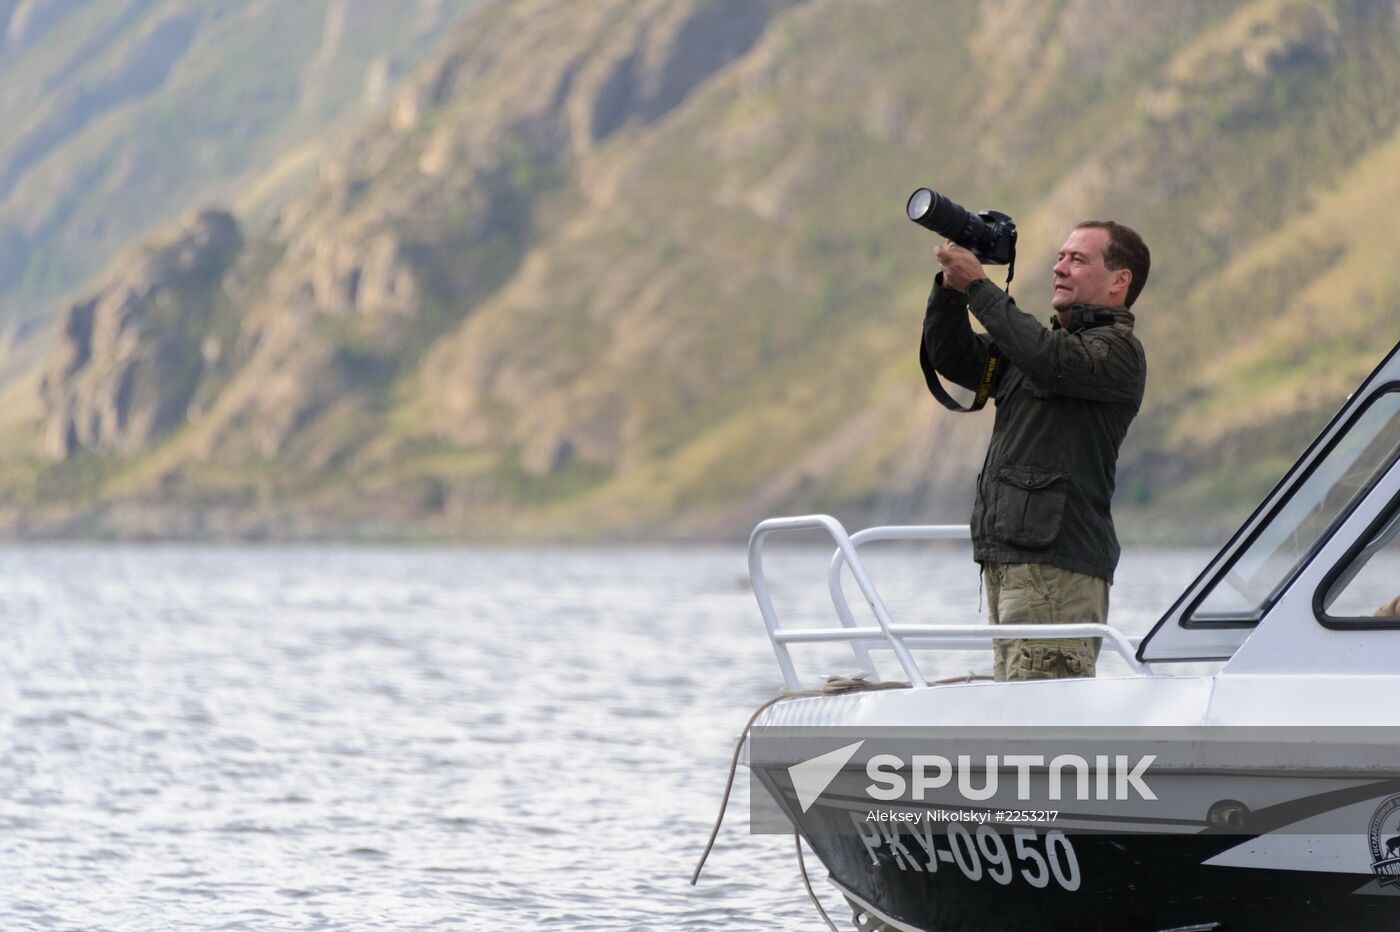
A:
{"x":639,"y":266}
{"x":119,"y":114}
{"x":132,"y":355}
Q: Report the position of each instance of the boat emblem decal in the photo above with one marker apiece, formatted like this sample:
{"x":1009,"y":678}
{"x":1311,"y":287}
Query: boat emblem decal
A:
{"x":1385,"y":842}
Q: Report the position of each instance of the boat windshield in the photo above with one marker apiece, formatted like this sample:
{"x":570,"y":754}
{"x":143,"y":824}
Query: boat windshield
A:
{"x":1284,"y":542}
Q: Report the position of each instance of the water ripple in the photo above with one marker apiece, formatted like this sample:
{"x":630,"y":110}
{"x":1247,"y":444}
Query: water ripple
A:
{"x":350,"y":738}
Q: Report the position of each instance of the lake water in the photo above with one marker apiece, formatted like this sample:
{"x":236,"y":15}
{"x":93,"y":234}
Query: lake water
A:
{"x":330,"y":738}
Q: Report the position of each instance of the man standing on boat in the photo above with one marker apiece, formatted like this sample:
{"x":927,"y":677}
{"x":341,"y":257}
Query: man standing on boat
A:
{"x":1065,"y":395}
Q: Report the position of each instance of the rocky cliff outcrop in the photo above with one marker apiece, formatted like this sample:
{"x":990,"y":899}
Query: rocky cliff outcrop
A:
{"x":131,"y":354}
{"x":639,"y":67}
{"x":431,"y":210}
{"x":453,"y":173}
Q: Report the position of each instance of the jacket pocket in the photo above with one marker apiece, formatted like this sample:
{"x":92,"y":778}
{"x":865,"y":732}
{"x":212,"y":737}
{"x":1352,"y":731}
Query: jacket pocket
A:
{"x":1030,"y":506}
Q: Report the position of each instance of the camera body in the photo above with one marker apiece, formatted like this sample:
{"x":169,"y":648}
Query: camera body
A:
{"x":989,"y":234}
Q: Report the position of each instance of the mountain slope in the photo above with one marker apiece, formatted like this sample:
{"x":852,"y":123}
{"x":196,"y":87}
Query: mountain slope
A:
{"x":641,"y":267}
{"x":121,"y":112}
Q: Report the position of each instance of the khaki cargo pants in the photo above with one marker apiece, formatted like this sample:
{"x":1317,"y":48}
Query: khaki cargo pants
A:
{"x":1038,"y":593}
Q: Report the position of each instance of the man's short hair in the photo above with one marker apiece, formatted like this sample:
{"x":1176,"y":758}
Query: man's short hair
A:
{"x":1126,"y":250}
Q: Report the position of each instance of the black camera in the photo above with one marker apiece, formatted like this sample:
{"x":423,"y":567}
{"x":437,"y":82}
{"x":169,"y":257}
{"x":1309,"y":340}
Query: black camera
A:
{"x":989,"y":234}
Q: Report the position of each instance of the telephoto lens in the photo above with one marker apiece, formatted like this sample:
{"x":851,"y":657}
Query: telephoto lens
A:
{"x":991,"y":236}
{"x":947,"y":218}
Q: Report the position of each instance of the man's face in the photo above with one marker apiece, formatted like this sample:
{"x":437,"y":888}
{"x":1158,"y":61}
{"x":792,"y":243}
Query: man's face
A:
{"x":1080,"y":276}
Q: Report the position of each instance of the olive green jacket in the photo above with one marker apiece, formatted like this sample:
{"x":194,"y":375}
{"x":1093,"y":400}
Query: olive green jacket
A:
{"x":1064,"y":400}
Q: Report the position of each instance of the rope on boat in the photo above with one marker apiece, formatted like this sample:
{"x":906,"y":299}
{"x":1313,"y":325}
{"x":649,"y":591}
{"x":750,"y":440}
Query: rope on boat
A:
{"x":806,"y":882}
{"x":835,"y":685}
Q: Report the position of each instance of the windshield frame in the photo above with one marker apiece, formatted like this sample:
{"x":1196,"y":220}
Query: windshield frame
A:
{"x":1189,"y":617}
{"x":1388,"y":516}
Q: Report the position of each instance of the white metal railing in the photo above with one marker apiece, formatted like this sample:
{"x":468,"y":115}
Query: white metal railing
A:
{"x":901,"y":640}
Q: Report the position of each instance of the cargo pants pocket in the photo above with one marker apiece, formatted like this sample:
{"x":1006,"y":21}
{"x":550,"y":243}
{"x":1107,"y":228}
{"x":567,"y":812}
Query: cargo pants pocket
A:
{"x":1043,"y":594}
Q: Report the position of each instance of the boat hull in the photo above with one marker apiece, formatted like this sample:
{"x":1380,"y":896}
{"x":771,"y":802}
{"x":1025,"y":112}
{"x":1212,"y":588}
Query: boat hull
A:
{"x":1128,"y":882}
{"x":948,"y":874}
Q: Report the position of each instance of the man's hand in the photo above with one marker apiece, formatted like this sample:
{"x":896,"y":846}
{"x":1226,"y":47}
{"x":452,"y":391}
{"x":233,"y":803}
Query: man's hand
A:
{"x":960,"y":266}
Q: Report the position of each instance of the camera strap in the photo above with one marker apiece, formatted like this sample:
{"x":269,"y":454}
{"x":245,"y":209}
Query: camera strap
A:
{"x":989,"y":375}
{"x":984,"y":389}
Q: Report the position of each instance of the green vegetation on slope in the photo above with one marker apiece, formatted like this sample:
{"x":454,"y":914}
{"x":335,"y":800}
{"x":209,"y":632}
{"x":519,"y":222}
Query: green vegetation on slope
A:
{"x":640,"y":266}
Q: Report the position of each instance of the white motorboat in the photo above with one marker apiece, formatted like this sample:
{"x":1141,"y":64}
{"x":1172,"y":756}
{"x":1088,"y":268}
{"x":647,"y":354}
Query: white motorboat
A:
{"x":1264,"y":699}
